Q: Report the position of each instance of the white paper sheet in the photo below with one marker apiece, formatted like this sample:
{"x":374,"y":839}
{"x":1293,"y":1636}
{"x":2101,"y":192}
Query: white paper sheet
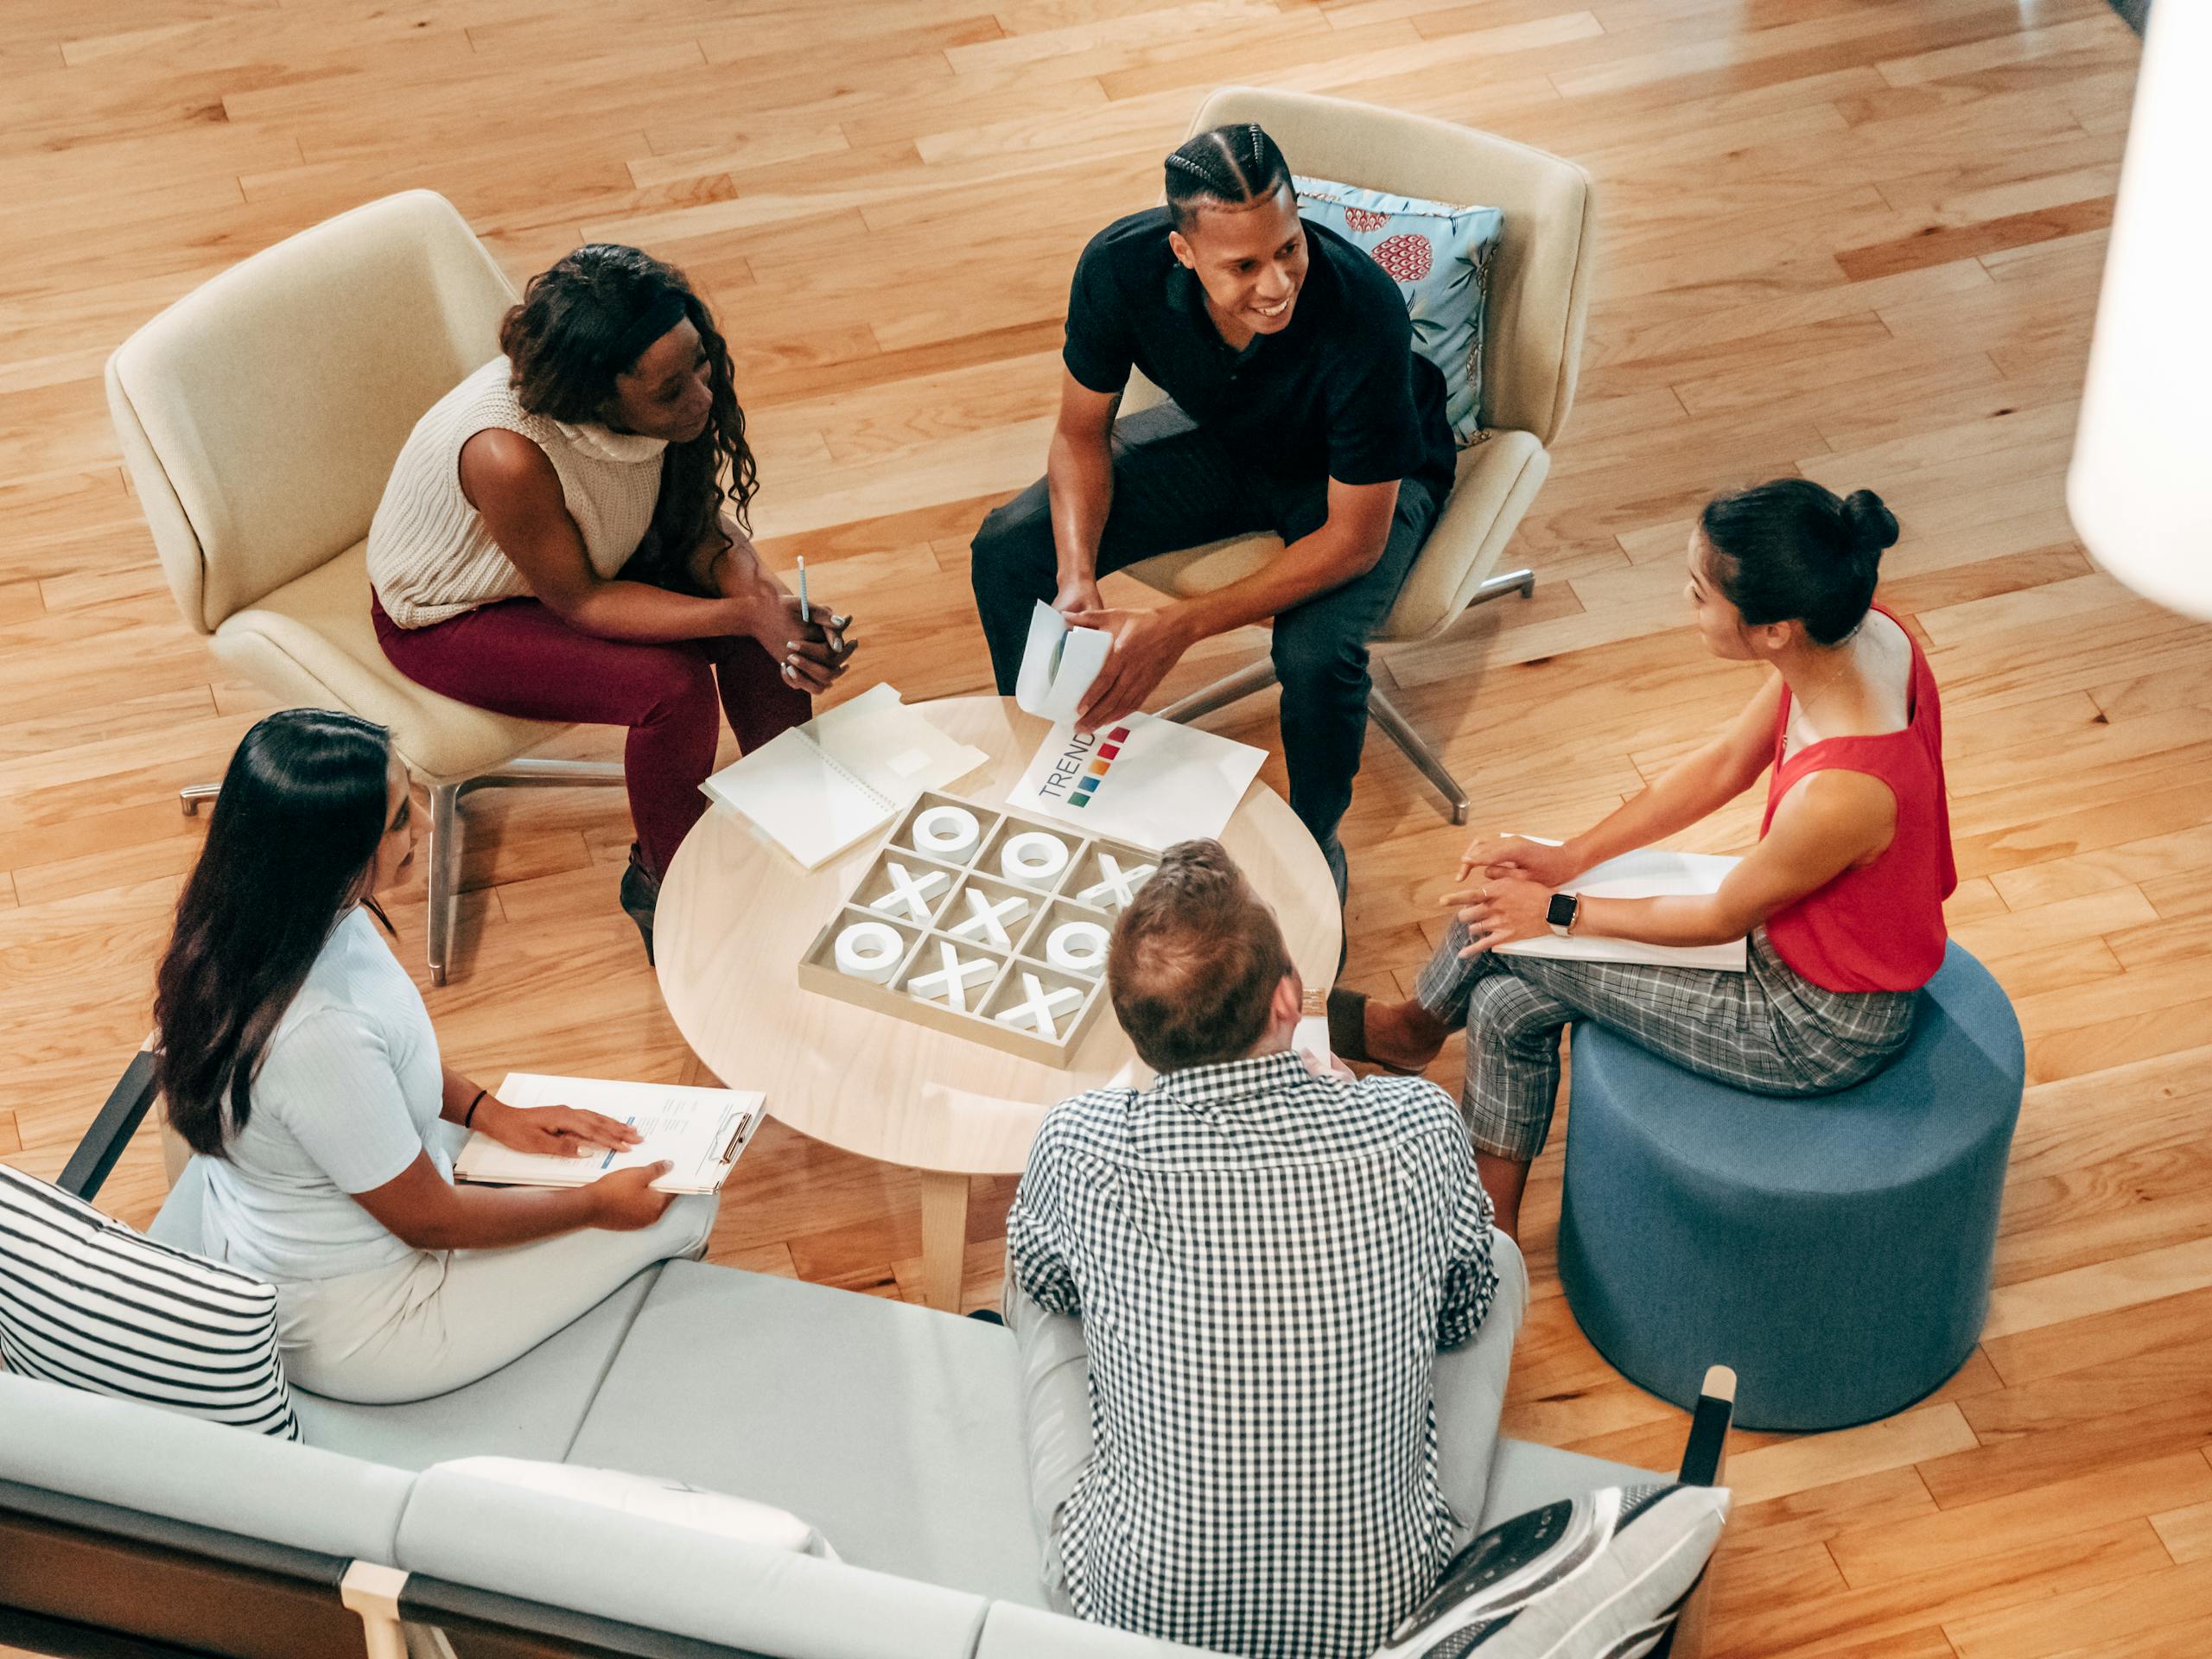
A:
{"x":1059,"y":665}
{"x":693,"y":1128}
{"x":817,"y":789}
{"x":1143,"y":780}
{"x":1647,"y":872}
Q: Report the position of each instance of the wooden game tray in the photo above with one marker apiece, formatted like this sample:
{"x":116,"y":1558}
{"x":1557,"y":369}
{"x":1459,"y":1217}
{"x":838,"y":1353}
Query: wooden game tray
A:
{"x":937,"y":893}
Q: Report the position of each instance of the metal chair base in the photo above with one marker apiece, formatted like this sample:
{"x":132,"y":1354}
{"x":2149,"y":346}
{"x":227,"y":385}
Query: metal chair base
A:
{"x":1258,"y":676}
{"x":445,"y":828}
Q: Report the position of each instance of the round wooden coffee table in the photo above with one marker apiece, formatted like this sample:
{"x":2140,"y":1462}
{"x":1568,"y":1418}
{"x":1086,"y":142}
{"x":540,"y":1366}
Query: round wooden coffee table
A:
{"x":736,"y":914}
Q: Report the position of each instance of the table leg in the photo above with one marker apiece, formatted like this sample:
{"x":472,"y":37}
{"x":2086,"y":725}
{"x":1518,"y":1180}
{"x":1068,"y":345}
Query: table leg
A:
{"x":945,"y":1238}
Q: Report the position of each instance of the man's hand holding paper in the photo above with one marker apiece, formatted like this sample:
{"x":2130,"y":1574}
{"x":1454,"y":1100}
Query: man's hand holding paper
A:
{"x":1145,"y":645}
{"x":1058,"y":665}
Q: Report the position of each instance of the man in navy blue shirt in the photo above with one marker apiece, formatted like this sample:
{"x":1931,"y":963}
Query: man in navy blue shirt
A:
{"x":1299,"y":407}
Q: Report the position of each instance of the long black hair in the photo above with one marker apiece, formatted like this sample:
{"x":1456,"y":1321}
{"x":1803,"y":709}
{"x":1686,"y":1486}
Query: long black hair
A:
{"x":1230,"y":165}
{"x":1791,"y":551}
{"x":289,"y":850}
{"x":587,"y":320}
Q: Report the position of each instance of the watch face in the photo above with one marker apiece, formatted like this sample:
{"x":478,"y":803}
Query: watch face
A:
{"x":1561,"y":913}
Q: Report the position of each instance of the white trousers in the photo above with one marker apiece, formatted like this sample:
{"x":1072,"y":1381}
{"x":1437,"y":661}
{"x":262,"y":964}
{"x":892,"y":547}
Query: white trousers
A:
{"x":441,"y":1319}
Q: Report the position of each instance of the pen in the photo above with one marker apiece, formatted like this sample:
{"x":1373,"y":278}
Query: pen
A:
{"x":805,"y":610}
{"x":630,"y":1122}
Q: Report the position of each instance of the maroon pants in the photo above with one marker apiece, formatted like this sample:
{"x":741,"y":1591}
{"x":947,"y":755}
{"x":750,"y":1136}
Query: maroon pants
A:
{"x":517,"y":657}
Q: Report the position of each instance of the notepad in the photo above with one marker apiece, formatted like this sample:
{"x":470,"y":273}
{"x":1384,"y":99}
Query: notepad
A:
{"x":817,"y":789}
{"x":1059,"y":665}
{"x":1647,"y":872}
{"x":701,"y":1131}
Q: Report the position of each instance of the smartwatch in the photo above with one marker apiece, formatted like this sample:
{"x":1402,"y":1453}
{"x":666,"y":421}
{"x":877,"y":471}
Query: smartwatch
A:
{"x":1559,"y":915}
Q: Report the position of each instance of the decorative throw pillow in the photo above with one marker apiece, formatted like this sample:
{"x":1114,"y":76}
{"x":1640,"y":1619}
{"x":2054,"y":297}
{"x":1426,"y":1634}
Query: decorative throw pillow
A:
{"x":86,"y":1302}
{"x":1440,"y":258}
{"x":1597,"y":1577}
{"x":654,"y":1498}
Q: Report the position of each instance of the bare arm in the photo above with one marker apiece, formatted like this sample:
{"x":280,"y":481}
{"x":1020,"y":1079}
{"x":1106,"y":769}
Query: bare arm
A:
{"x":1694,"y":787}
{"x":1079,"y":480}
{"x":511,"y":482}
{"x":1827,"y":823}
{"x":425,"y":1211}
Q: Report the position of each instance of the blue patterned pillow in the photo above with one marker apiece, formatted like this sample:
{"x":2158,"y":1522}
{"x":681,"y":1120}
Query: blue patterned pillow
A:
{"x":1440,"y":258}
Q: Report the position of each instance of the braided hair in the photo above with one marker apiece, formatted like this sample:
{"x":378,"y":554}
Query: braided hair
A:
{"x":1230,"y":165}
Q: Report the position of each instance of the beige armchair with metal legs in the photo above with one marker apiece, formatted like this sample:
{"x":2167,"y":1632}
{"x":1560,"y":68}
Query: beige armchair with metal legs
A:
{"x":1539,"y":296}
{"x":259,"y":417}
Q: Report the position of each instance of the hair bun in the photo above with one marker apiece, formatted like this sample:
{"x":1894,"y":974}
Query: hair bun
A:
{"x":1871,"y":525}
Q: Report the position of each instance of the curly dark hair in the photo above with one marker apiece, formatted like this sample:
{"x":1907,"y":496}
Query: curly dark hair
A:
{"x":587,"y":321}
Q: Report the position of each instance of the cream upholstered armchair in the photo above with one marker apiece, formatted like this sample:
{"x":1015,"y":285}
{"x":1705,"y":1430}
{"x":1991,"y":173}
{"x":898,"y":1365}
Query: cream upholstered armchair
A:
{"x":1539,"y":296}
{"x":259,"y":417}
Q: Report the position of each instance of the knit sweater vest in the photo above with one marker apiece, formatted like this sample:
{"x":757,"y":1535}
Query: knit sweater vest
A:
{"x":431,"y":557}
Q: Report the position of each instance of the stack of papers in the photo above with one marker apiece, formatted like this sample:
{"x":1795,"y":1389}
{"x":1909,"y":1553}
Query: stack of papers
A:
{"x":818,"y":788}
{"x":701,"y":1131}
{"x":1059,"y":665}
{"x":1142,"y":780}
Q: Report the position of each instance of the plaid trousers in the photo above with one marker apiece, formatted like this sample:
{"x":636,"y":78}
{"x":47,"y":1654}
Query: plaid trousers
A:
{"x":1767,"y":1031}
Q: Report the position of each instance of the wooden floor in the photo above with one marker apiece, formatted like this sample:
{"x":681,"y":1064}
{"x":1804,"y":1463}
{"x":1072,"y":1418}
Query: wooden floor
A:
{"x":1854,"y":239}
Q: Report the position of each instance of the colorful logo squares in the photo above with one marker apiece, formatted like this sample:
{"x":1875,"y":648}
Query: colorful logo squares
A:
{"x":1101,"y":764}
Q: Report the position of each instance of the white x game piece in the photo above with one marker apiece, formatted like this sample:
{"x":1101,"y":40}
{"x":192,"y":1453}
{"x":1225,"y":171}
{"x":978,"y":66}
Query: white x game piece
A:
{"x":1039,"y":1005}
{"x":1119,"y":886}
{"x":988,"y":920}
{"x":910,"y":893}
{"x":949,"y":983}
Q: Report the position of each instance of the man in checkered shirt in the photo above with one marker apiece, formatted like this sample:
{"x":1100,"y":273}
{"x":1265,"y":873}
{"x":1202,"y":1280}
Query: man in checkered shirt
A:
{"x":1265,"y":1263}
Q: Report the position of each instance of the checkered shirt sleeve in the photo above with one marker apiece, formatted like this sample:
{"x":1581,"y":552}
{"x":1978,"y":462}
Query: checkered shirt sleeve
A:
{"x":1266,"y":1263}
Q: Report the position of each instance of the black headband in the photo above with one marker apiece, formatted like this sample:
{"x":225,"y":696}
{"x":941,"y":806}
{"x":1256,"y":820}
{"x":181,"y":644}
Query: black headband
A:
{"x":667,"y":310}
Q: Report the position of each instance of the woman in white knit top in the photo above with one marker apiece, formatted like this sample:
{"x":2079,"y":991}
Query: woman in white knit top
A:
{"x":562,"y":538}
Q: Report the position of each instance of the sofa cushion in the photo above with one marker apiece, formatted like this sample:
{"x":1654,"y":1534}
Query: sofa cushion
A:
{"x":1604,"y":1574}
{"x":89,"y":1303}
{"x":1525,"y":1476}
{"x":657,"y":1498}
{"x":1440,"y":258}
{"x":1012,"y":1631}
{"x":139,"y":1458}
{"x":559,"y":1553}
{"x":895,"y":1429}
{"x":529,"y":1407}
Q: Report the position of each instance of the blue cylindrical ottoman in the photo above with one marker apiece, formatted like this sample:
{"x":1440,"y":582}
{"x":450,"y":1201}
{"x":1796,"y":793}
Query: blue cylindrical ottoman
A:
{"x":1835,"y":1250}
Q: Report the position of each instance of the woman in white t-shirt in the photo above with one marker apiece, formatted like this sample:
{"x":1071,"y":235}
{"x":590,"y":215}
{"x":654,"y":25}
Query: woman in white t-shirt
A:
{"x":296,"y":1058}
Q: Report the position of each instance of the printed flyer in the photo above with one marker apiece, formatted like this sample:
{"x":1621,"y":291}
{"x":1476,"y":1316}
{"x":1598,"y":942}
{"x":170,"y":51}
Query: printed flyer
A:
{"x":1142,"y":779}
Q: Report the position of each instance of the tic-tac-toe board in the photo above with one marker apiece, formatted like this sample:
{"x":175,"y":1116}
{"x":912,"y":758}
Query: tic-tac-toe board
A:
{"x":978,"y":921}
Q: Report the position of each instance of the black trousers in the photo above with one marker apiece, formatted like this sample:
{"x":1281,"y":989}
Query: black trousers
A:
{"x":1174,"y":486}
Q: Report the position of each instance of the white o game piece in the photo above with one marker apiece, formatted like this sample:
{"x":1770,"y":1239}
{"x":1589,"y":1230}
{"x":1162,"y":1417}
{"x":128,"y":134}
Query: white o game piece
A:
{"x":1077,"y":947}
{"x":1033,"y":857}
{"x":988,"y":920}
{"x":1118,"y":886}
{"x":1039,"y":1005}
{"x":949,"y":983}
{"x":910,"y":893}
{"x":949,"y":832}
{"x":869,"y":951}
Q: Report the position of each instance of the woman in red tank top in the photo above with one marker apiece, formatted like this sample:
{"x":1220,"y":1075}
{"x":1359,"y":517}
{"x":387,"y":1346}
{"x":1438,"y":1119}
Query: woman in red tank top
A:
{"x":1841,"y":901}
